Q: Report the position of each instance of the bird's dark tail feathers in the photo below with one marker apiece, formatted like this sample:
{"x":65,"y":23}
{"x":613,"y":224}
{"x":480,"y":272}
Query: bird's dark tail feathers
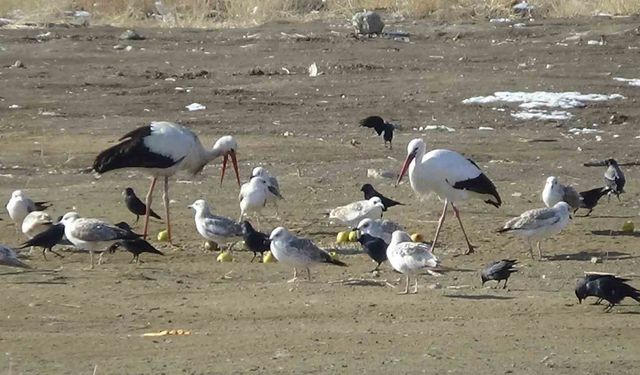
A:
{"x":633,"y":292}
{"x":502,"y":230}
{"x":333,"y":260}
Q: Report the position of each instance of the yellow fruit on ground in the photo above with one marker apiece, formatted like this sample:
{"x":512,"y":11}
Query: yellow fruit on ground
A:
{"x":224,"y":256}
{"x":628,"y":226}
{"x":269,"y":258}
{"x":417,"y":237}
{"x":342,"y":237}
{"x":353,"y":236}
{"x":163,"y":236}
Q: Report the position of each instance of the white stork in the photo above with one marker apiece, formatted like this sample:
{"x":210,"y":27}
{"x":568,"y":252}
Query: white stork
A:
{"x":451,"y":176}
{"x":164,"y":148}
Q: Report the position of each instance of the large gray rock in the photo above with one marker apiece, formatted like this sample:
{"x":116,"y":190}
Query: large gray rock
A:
{"x":367,"y":22}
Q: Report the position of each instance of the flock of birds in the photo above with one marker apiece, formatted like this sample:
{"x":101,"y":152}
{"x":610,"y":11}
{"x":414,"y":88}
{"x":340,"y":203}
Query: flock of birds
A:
{"x":162,"y":149}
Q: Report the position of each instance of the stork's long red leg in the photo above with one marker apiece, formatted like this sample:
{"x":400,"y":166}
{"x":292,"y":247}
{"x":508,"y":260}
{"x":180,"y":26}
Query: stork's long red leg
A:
{"x":470,"y":246}
{"x":165,"y":198}
{"x":440,"y":222}
{"x":148,"y":203}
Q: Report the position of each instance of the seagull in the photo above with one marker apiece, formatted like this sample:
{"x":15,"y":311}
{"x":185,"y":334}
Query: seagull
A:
{"x":539,"y":223}
{"x":379,"y":228}
{"x":498,"y":271}
{"x":355,"y":212}
{"x":274,"y":187}
{"x":135,"y":246}
{"x":162,"y":149}
{"x":215,"y":228}
{"x":555,"y":192}
{"x":380,"y":126}
{"x":370,"y":192}
{"x":254,"y":196}
{"x":589,"y":199}
{"x":451,"y":176}
{"x":136,"y":206}
{"x":614,"y":178}
{"x":20,"y":205}
{"x":47,"y":239}
{"x":375,"y":248}
{"x":9,"y":258}
{"x":409,"y":257}
{"x":607,"y":287}
{"x":299,"y":252}
{"x":255,"y":241}
{"x":93,"y":235}
{"x":36,"y":222}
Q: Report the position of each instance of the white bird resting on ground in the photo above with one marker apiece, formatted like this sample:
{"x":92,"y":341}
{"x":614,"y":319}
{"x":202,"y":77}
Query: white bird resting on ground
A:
{"x":274,"y":187}
{"x":409,"y":257}
{"x":555,"y":192}
{"x":354,"y":213}
{"x":379,"y":228}
{"x":539,"y":223}
{"x":253,"y":196}
{"x":19,"y":206}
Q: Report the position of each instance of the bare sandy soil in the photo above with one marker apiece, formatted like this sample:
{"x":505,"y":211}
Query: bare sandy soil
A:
{"x":77,"y":95}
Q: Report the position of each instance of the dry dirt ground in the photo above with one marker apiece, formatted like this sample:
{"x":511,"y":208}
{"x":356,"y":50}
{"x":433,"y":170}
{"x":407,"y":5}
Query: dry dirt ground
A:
{"x":77,"y":95}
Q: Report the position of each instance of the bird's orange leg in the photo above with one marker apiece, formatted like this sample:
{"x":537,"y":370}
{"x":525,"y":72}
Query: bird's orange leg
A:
{"x":165,"y":198}
{"x":470,"y":246}
{"x":440,"y":222}
{"x":148,"y":202}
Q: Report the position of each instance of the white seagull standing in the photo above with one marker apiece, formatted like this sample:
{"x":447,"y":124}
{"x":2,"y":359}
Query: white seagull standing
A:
{"x":451,"y":176}
{"x":93,"y":235}
{"x":36,"y":222}
{"x":299,"y":252}
{"x":274,"y":187}
{"x":538,"y":224}
{"x":20,"y":205}
{"x":409,"y":257}
{"x":555,"y":192}
{"x":355,"y":212}
{"x":379,"y":228}
{"x":163,"y":149}
{"x":215,"y":228}
{"x":254,"y":195}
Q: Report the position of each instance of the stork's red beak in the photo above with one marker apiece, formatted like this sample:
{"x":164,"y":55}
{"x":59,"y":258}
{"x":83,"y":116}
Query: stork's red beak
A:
{"x":405,"y":166}
{"x":234,"y":162}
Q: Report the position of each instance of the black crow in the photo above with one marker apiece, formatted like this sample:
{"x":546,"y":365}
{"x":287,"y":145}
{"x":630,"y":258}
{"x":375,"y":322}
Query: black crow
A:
{"x":135,"y":247}
{"x":380,"y":126}
{"x":498,"y":271}
{"x":47,"y":239}
{"x":375,"y":248}
{"x":589,"y":199}
{"x":135,"y":205}
{"x":614,"y":178}
{"x":257,"y":242}
{"x":607,"y":287}
{"x":370,"y":192}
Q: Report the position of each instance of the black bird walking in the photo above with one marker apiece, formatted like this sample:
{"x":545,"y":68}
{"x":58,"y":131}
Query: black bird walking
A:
{"x":257,"y":242}
{"x":606,"y":287}
{"x":380,"y":126}
{"x":135,"y":205}
{"x":135,"y":246}
{"x":614,"y":178}
{"x":47,"y":239}
{"x":498,"y":271}
{"x":370,"y":192}
{"x":589,"y":199}
{"x":375,"y":248}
